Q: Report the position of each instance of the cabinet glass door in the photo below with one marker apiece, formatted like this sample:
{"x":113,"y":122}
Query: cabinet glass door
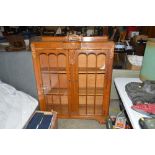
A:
{"x":91,"y":66}
{"x":55,"y":75}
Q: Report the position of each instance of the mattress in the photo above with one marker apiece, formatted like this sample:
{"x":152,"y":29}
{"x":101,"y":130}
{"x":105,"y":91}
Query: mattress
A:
{"x":16,"y":107}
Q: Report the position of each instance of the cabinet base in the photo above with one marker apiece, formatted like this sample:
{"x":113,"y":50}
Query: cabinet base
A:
{"x":100,"y":119}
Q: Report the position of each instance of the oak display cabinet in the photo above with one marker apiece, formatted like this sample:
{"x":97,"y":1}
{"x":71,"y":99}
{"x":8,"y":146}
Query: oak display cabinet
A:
{"x":73,"y":75}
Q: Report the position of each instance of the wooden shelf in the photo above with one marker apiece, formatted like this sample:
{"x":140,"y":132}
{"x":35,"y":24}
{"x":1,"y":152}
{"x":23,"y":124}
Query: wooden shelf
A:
{"x":90,"y":70}
{"x":53,"y":70}
{"x":81,"y":70}
{"x":82,"y":91}
{"x":59,"y":108}
{"x":83,"y":110}
{"x":90,"y":92}
{"x":57,"y":91}
{"x":89,"y":109}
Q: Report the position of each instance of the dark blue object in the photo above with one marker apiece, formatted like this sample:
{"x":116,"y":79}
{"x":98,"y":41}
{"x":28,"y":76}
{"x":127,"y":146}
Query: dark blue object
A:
{"x":46,"y":122}
{"x":35,"y":121}
{"x":40,"y":121}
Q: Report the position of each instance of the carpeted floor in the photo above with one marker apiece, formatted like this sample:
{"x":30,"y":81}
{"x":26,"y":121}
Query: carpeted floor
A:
{"x":88,"y":124}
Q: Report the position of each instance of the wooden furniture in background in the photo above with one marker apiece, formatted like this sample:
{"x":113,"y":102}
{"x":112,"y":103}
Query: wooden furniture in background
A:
{"x":122,"y":36}
{"x":73,"y":75}
{"x":16,"y":42}
{"x":148,"y":30}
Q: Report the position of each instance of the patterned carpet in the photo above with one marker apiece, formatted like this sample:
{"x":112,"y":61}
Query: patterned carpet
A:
{"x":88,"y":124}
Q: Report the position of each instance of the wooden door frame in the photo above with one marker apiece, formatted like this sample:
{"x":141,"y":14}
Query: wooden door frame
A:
{"x":36,"y":52}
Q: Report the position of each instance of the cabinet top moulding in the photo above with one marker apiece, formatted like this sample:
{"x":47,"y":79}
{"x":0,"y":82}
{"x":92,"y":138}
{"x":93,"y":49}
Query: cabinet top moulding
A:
{"x":72,"y":42}
{"x":75,"y":38}
{"x":73,"y":45}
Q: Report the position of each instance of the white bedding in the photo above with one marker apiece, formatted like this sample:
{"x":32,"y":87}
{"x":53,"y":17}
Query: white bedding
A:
{"x":16,"y":107}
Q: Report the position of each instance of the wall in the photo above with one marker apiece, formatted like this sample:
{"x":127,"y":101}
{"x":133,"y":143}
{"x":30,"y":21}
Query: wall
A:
{"x":16,"y":69}
{"x":121,"y":73}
